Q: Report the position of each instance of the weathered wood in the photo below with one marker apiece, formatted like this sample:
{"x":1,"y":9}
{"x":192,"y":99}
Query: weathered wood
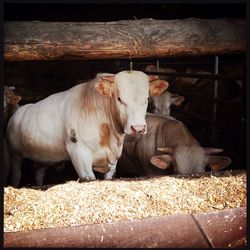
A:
{"x":123,"y":39}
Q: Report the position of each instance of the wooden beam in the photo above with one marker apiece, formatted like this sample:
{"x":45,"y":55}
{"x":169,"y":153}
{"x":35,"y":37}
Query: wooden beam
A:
{"x":122,"y":39}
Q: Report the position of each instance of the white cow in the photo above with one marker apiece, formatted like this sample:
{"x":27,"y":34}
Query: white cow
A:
{"x":85,"y":124}
{"x":161,"y":104}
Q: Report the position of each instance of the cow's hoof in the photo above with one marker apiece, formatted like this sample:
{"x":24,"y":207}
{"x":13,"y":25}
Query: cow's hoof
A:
{"x":108,"y":177}
{"x":85,"y":179}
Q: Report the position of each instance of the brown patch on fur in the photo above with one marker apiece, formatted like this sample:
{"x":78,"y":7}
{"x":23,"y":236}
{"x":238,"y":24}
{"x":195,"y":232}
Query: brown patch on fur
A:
{"x":104,"y":87}
{"x":104,"y":135}
{"x":95,"y":104}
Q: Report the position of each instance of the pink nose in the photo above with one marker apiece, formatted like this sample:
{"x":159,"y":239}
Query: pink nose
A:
{"x":138,"y":129}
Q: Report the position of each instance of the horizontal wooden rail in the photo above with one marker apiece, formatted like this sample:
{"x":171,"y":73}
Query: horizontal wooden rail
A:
{"x":142,"y":38}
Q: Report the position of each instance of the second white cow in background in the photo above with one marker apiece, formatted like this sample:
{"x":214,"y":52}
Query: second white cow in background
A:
{"x":162,"y":104}
{"x":85,"y":124}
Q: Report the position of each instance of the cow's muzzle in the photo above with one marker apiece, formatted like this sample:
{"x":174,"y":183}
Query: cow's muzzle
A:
{"x":138,"y":129}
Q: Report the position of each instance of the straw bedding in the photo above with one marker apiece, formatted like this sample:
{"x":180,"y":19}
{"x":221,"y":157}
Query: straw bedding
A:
{"x":102,"y":201}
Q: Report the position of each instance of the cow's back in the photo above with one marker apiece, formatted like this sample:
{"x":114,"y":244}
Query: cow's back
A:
{"x":169,"y":131}
{"x":35,"y":128}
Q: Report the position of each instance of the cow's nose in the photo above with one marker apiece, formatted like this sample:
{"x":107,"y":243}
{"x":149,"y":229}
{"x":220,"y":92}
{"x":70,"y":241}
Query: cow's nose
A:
{"x":138,"y":129}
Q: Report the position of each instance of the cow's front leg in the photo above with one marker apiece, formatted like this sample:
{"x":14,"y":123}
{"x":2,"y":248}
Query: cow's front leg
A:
{"x":81,"y":158}
{"x":110,"y":174}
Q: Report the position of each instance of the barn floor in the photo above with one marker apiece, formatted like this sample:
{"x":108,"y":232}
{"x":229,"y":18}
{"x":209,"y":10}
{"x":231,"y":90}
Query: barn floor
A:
{"x":101,"y":201}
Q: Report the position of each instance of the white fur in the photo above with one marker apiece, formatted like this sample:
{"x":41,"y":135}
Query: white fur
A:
{"x":134,"y":92}
{"x":162,"y":103}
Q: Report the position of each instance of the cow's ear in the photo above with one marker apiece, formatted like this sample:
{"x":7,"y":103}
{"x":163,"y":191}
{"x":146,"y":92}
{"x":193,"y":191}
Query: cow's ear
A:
{"x":217,"y":163}
{"x":105,"y":85}
{"x":157,"y":87}
{"x":15,"y":99}
{"x":177,"y":100}
{"x":162,"y":161}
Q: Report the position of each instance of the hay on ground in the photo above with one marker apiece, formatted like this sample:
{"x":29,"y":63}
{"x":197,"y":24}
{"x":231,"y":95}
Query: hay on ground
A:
{"x":102,"y":201}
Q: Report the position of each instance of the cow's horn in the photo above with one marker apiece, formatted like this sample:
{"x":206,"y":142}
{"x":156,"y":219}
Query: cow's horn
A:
{"x":210,"y":150}
{"x":108,"y":78}
{"x":168,"y":150}
{"x":152,"y":77}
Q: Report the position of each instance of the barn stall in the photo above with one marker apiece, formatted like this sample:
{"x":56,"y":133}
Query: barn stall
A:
{"x":41,"y":60}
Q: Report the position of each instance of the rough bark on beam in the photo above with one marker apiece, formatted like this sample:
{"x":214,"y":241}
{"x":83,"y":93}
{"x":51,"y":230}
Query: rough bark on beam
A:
{"x":122,"y":39}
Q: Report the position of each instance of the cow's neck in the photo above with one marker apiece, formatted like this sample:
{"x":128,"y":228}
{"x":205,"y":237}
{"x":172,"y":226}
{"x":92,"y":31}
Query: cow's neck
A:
{"x":103,"y":108}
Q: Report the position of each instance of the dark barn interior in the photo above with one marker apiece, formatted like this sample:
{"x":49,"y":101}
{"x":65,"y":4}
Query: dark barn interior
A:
{"x":224,"y":127}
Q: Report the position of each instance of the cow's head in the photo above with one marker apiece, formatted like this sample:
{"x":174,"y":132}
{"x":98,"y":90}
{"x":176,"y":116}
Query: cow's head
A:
{"x":162,"y":104}
{"x":10,"y":98}
{"x":10,"y":103}
{"x":215,"y":163}
{"x":131,"y":91}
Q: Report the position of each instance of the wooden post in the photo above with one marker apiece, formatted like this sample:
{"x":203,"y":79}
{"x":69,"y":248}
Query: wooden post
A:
{"x":122,"y":39}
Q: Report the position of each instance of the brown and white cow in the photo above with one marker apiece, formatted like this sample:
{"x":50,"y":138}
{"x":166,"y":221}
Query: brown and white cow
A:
{"x":10,"y":106}
{"x":85,"y":124}
{"x":141,"y":155}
